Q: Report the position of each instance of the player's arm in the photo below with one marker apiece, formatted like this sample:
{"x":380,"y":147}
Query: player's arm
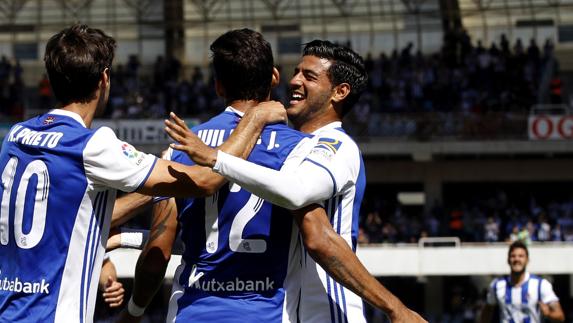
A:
{"x":336,"y":257}
{"x":153,"y":260}
{"x":487,"y":313}
{"x":112,"y":290}
{"x":174,"y":179}
{"x":549,"y":303}
{"x":552,"y":311}
{"x":127,"y":206}
{"x":308,"y":183}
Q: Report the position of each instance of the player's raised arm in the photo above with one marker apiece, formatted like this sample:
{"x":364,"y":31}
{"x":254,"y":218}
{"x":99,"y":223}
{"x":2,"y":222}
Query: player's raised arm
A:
{"x":334,"y":255}
{"x":174,"y":179}
{"x":308,"y":183}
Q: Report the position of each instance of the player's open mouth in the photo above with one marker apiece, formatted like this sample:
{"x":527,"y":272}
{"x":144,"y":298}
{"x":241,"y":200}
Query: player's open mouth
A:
{"x":296,"y":98}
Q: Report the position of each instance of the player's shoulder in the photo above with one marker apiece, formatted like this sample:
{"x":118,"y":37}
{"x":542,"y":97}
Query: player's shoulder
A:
{"x":223,"y":120}
{"x":339,"y":144}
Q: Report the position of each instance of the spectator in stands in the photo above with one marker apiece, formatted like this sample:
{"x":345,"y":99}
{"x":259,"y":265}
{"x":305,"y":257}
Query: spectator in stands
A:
{"x":491,"y":230}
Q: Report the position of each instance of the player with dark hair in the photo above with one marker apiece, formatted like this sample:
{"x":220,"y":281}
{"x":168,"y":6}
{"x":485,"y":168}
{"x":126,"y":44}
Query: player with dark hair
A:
{"x":521,"y":296}
{"x":323,"y":180}
{"x":238,"y":247}
{"x":59,"y":181}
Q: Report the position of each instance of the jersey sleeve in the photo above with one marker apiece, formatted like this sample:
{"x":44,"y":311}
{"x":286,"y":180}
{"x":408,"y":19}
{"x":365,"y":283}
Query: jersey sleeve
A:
{"x":336,"y":155}
{"x":491,"y":298}
{"x":547,"y":294}
{"x":290,"y":188}
{"x":110,"y":162}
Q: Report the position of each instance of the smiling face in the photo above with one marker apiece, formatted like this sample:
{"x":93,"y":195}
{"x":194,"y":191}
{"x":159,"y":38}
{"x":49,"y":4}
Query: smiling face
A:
{"x":517,"y":260}
{"x":311,"y":90}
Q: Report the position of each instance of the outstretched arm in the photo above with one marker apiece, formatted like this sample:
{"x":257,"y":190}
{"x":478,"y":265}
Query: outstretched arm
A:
{"x":173,"y":179}
{"x":153,"y":260}
{"x":336,"y":257}
{"x":308,"y":183}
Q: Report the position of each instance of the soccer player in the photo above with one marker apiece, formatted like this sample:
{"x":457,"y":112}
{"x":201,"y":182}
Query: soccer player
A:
{"x":238,"y":247}
{"x":328,"y":170}
{"x":59,"y":181}
{"x":521,"y":296}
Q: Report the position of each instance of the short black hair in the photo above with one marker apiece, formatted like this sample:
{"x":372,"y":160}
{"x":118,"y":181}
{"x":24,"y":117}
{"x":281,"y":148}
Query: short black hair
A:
{"x":347,"y":67}
{"x":75,"y":58}
{"x":243,"y":63}
{"x":518,"y":244}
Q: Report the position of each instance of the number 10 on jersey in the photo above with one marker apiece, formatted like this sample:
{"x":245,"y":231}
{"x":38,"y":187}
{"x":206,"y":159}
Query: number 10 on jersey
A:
{"x":33,"y":237}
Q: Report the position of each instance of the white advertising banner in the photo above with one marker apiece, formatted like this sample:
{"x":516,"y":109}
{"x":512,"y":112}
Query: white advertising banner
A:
{"x":550,"y":127}
{"x":140,"y":132}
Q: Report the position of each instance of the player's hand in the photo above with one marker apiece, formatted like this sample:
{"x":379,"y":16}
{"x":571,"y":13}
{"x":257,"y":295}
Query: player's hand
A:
{"x":125,"y":317}
{"x":545,"y":309}
{"x":113,"y":293}
{"x":268,"y":112}
{"x":406,"y":316}
{"x":114,"y":239}
{"x":189,"y":143}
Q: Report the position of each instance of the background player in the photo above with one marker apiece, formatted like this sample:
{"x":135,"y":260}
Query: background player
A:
{"x":327,"y":83}
{"x":237,"y":246}
{"x":59,"y":180}
{"x":521,"y":296}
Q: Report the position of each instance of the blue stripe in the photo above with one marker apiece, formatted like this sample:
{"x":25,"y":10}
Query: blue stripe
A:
{"x":524,"y":300}
{"x":82,"y":286}
{"x":507,"y":291}
{"x":96,"y":238}
{"x":335,"y":285}
{"x":360,"y":186}
{"x":342,"y":295}
{"x":147,"y":176}
{"x":334,"y":190}
{"x":332,"y":317}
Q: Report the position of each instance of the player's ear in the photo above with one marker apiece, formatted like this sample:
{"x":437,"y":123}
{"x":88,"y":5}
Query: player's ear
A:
{"x":276,"y":77}
{"x":104,"y":79}
{"x":341,"y":91}
{"x":219,"y":89}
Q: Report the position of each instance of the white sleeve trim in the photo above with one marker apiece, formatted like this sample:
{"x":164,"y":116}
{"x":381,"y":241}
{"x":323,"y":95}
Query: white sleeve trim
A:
{"x":289,"y":189}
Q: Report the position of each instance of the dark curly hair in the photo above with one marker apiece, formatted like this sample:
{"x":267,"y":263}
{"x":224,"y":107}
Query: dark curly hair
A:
{"x":347,"y":67}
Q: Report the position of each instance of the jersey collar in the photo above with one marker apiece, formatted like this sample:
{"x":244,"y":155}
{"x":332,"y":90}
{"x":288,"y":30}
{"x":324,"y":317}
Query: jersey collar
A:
{"x":233,"y":110}
{"x":70,"y":114}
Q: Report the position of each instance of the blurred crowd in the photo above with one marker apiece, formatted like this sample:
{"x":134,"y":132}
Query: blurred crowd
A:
{"x":495,"y":217}
{"x":11,"y":88}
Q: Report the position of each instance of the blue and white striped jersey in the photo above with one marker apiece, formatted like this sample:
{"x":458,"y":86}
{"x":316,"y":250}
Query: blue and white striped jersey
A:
{"x":238,"y":247}
{"x":519,"y":304}
{"x":327,"y":166}
{"x":322,"y":298}
{"x":58,"y":190}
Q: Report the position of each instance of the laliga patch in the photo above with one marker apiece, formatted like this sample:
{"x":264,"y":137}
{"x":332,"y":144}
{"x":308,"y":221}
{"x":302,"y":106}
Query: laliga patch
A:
{"x":326,"y":148}
{"x":132,"y":154}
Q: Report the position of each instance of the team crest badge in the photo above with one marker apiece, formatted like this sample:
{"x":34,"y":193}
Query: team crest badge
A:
{"x":49,"y":120}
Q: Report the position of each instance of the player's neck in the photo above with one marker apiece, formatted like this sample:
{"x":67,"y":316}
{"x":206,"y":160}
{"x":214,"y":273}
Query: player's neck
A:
{"x":242,"y":105}
{"x":317,"y":121}
{"x":517,"y":278}
{"x":85,"y":110}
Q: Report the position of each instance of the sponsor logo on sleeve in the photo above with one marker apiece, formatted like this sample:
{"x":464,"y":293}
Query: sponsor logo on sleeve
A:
{"x":132,"y":154}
